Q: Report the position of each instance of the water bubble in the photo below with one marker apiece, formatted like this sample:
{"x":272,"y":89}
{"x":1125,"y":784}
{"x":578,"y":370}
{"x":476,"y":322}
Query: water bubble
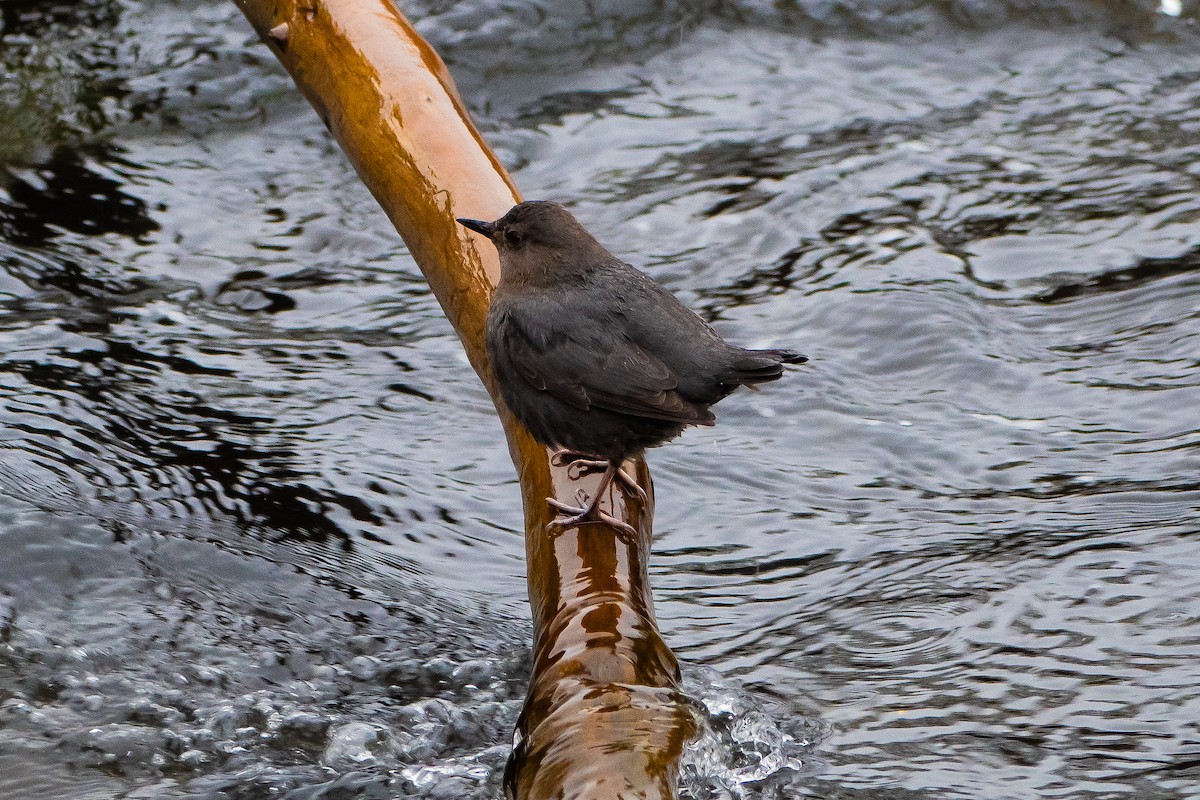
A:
{"x":355,"y":743}
{"x":303,"y":729}
{"x":364,"y":668}
{"x":742,"y":749}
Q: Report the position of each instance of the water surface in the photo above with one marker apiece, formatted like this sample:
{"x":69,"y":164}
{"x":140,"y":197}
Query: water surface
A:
{"x":261,"y":534}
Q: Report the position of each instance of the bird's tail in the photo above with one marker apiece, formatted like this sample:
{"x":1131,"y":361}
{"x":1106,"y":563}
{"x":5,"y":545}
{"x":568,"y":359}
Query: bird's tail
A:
{"x":749,"y":367}
{"x":786,"y":356}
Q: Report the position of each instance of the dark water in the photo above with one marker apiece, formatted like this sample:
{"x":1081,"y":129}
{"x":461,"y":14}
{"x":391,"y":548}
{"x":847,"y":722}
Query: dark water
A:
{"x":260,"y":531}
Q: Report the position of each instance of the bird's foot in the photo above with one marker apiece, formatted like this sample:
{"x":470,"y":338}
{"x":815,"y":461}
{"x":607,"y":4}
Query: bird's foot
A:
{"x":579,"y":464}
{"x":583,"y":515}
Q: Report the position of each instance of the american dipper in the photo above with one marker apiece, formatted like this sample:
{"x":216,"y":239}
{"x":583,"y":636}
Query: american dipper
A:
{"x":594,"y":357}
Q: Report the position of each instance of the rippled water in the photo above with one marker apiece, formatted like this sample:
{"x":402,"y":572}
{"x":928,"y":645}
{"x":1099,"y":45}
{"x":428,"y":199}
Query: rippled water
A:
{"x":261,"y":536}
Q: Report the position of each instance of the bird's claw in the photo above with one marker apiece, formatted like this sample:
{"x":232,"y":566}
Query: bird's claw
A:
{"x":584,"y":466}
{"x":632,"y":485}
{"x":579,"y":464}
{"x":566,"y":458}
{"x":581,"y":516}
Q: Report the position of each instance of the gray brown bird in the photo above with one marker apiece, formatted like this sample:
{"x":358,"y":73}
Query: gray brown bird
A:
{"x":595,"y":358}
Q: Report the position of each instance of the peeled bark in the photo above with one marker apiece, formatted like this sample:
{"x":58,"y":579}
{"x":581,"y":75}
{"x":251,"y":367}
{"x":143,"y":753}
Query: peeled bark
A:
{"x":603,"y":718}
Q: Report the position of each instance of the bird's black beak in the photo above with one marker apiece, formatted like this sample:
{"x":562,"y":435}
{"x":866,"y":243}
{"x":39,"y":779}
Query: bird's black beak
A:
{"x":479,"y":226}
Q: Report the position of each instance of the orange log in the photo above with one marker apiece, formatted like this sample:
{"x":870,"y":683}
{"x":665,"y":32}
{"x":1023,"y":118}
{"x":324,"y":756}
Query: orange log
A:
{"x":603,"y":718}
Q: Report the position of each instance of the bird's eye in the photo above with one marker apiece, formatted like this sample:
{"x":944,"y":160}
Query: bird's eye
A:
{"x":512,"y":237}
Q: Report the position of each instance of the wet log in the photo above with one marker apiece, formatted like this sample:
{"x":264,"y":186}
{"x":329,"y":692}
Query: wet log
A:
{"x":603,"y":718}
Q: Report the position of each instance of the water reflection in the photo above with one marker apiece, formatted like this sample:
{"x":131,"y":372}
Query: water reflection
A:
{"x":64,"y":193}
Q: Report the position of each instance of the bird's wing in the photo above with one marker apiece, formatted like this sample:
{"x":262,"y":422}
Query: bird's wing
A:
{"x":555,"y":354}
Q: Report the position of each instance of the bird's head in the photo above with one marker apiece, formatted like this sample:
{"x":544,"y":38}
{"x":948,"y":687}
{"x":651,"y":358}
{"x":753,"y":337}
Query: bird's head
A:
{"x":538,"y":237}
